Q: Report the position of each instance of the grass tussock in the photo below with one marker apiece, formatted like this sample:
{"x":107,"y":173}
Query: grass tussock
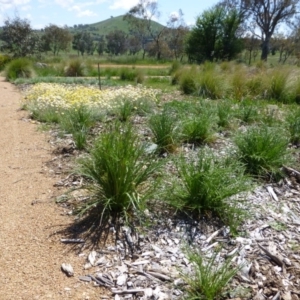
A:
{"x":117,"y":169}
{"x":263,"y":151}
{"x":19,"y":68}
{"x":208,"y":185}
{"x":210,"y":276}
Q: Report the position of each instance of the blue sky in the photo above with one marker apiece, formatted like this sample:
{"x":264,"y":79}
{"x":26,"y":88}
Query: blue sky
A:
{"x":41,"y":13}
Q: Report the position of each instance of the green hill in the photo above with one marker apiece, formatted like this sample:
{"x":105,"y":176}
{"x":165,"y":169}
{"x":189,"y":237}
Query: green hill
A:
{"x":104,"y":27}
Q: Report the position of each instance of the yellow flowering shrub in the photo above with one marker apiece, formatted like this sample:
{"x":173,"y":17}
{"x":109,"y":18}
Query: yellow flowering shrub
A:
{"x":62,"y":96}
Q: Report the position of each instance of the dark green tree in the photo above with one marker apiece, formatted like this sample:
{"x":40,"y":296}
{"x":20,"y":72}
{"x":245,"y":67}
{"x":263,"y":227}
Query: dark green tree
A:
{"x":116,"y":42}
{"x":19,"y":38}
{"x":83,"y":42}
{"x":57,"y":38}
{"x":215,"y":35}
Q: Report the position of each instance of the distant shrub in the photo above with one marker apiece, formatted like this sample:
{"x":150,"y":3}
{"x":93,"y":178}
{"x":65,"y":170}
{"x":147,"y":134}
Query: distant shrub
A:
{"x":4,"y":60}
{"x":127,"y":74}
{"x":19,"y":68}
{"x":74,"y":68}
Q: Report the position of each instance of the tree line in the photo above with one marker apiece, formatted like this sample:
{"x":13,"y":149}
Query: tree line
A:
{"x":220,"y":33}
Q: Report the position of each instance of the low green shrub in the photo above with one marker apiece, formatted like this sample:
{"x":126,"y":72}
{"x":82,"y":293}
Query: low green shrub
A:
{"x":4,"y":60}
{"x":19,"y":68}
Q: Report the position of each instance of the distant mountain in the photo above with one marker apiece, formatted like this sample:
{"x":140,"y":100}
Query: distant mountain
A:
{"x":104,"y":27}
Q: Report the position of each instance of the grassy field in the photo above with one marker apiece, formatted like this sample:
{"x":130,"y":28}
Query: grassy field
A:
{"x":188,"y":137}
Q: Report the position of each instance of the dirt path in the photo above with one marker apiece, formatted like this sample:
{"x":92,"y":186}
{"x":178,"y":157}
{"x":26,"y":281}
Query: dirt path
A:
{"x":30,"y":255}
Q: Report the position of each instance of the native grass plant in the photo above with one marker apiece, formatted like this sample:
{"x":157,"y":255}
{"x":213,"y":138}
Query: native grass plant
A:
{"x":247,"y":111}
{"x":293,"y":125}
{"x":238,"y":87}
{"x":225,"y":113}
{"x":277,"y":86}
{"x":118,"y":170}
{"x":263,"y":150}
{"x":74,"y":68}
{"x":19,"y":68}
{"x":208,"y":187}
{"x":210,"y":276}
{"x":77,"y":121}
{"x":165,"y":131}
{"x":210,"y":85}
{"x":256,"y":86}
{"x":4,"y":60}
{"x":197,"y":129}
{"x":187,"y":83}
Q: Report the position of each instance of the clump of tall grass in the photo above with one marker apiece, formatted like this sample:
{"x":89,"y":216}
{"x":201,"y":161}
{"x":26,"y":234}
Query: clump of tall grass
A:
{"x":263,"y":150}
{"x":74,"y":68}
{"x":197,"y":129}
{"x":247,"y":111}
{"x":187,"y":83}
{"x":207,"y":186}
{"x":128,"y":74}
{"x":255,"y":85}
{"x":210,"y":85}
{"x":19,"y":68}
{"x":277,"y":86}
{"x":117,"y":170}
{"x":224,"y":113}
{"x":210,"y":277}
{"x":175,"y":67}
{"x":77,"y":121}
{"x":165,"y":130}
{"x":4,"y":60}
{"x":293,"y":125}
{"x":238,"y":90}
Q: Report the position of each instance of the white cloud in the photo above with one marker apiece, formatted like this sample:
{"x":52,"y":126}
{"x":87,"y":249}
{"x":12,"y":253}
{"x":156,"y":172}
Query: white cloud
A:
{"x":86,"y":13}
{"x":123,"y":4}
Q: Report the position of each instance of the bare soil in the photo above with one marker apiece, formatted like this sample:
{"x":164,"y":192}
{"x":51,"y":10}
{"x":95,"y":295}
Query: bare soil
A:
{"x":31,"y":253}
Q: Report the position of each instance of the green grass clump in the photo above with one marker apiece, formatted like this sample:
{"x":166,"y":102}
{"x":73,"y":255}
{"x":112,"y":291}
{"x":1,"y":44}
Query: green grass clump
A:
{"x":4,"y":60}
{"x":117,"y":169}
{"x":127,"y":74}
{"x":277,"y":86}
{"x":77,"y":121}
{"x":19,"y":68}
{"x":210,"y":85}
{"x":207,"y":185}
{"x":75,"y":68}
{"x":263,"y":151}
{"x":187,"y":83}
{"x":165,"y":131}
{"x":224,"y":113}
{"x":209,"y":279}
{"x":293,"y":125}
{"x":247,"y":112}
{"x":198,"y":129}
